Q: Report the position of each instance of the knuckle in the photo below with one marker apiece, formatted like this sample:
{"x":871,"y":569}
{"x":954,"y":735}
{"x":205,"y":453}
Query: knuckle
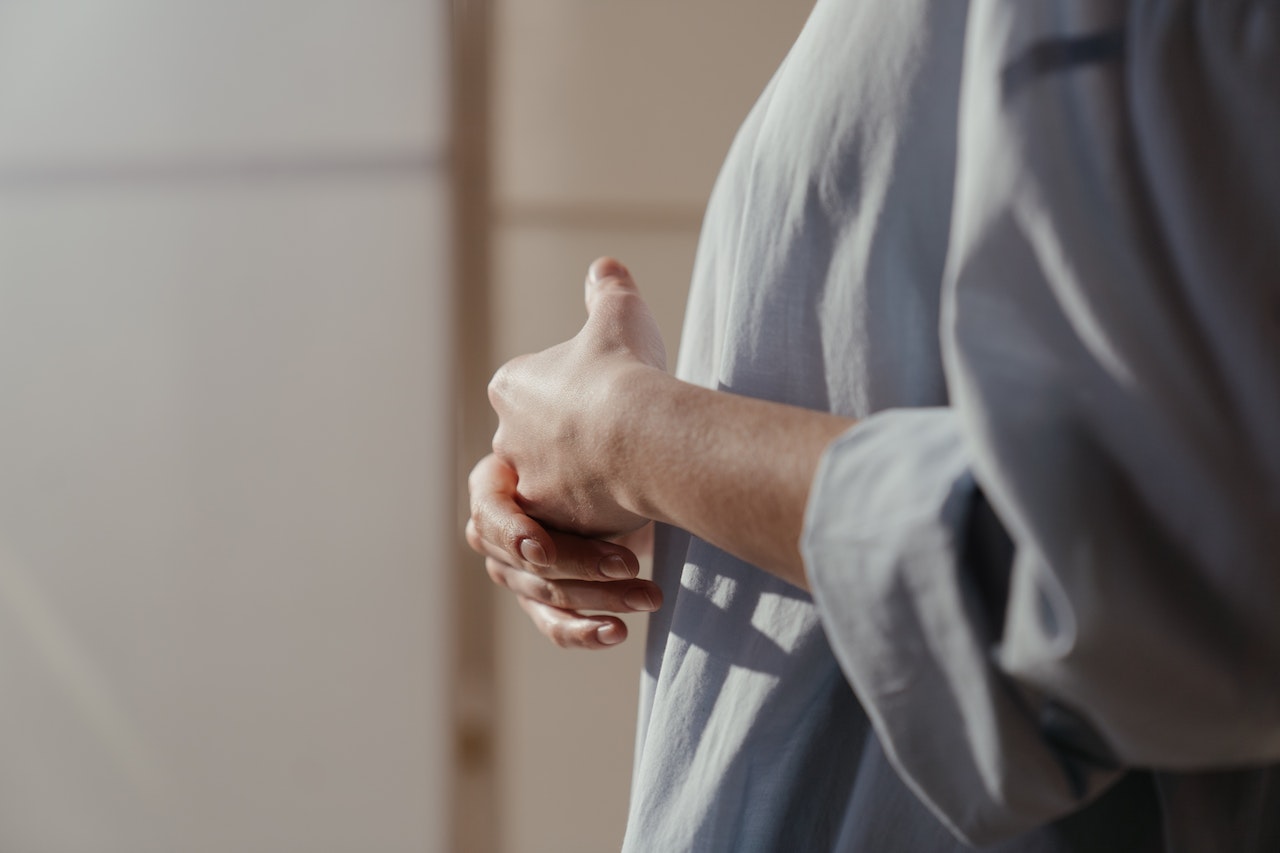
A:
{"x":500,"y":446}
{"x":485,"y":531}
{"x":472,"y":535}
{"x":474,"y":478}
{"x":497,"y":385}
{"x":481,"y":508}
{"x":484,"y":507}
{"x":501,"y":383}
{"x":504,"y":449}
{"x":559,"y":635}
{"x":510,"y":539}
{"x":552,"y":593}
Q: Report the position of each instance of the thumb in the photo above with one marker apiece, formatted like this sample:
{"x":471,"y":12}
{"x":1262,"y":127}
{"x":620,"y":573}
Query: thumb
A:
{"x":606,"y":276}
{"x":616,"y":310}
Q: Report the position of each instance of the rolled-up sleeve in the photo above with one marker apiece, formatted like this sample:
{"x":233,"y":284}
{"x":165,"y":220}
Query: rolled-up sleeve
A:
{"x":1111,"y":336}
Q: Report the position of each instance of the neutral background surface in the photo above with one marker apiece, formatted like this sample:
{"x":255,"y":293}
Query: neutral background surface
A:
{"x":610,"y":122}
{"x":224,"y":385}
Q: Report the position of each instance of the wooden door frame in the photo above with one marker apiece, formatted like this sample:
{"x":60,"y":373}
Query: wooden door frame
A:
{"x":476,"y":807}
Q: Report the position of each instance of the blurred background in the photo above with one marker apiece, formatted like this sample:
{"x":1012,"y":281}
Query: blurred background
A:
{"x":258,"y":259}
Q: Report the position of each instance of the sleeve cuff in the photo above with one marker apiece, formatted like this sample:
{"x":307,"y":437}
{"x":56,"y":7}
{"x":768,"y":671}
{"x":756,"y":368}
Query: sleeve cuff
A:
{"x":884,"y":542}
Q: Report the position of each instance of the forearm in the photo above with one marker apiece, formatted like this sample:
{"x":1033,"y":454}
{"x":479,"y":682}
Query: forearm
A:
{"x":732,"y":470}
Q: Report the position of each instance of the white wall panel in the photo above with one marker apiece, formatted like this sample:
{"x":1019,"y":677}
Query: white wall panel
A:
{"x":144,"y":84}
{"x":222,"y":532}
{"x":226,"y":473}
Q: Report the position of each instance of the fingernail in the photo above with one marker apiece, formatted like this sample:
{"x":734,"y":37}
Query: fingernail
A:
{"x":638,"y":599}
{"x":606,"y":268}
{"x":609,"y":634}
{"x":531,"y":550}
{"x":615,"y":567}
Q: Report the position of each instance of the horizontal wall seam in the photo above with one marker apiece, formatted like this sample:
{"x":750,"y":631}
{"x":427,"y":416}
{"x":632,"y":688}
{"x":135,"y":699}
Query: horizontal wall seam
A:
{"x":220,"y":170}
{"x":600,"y":217}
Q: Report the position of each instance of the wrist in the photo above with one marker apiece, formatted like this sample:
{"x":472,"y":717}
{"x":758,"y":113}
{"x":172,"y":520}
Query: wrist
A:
{"x":637,"y":406}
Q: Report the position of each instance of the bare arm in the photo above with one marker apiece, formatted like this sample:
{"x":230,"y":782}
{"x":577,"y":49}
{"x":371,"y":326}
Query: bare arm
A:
{"x":732,"y":470}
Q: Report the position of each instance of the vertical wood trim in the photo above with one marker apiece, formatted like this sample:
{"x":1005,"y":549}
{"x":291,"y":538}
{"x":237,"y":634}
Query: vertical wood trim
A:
{"x":476,"y":809}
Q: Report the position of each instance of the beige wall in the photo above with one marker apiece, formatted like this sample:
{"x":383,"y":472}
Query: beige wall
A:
{"x":610,"y":121}
{"x":225,"y":465}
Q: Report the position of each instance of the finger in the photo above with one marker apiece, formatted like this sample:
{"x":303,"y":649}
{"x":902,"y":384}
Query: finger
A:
{"x":498,"y":519}
{"x":591,"y":559}
{"x":570,"y":630}
{"x":616,"y":310}
{"x":498,"y":527}
{"x":638,"y":596}
{"x":576,"y":558}
{"x":607,"y":276}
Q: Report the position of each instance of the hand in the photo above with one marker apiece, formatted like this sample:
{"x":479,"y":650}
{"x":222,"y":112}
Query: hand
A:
{"x":559,"y":409}
{"x":555,"y":576}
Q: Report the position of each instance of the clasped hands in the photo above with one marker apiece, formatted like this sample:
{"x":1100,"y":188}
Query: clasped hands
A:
{"x":550,"y":506}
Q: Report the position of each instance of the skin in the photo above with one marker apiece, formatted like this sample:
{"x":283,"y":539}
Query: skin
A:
{"x":595,"y":439}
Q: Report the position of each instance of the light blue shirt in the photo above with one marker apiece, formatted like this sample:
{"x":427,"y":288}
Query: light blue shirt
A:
{"x":1033,"y":245}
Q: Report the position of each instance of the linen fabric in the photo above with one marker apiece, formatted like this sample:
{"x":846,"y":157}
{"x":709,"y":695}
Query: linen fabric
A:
{"x":1031,"y":244}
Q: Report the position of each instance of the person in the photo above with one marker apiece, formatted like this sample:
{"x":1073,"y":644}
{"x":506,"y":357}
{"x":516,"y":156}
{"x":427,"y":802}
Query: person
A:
{"x":967,"y":486}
